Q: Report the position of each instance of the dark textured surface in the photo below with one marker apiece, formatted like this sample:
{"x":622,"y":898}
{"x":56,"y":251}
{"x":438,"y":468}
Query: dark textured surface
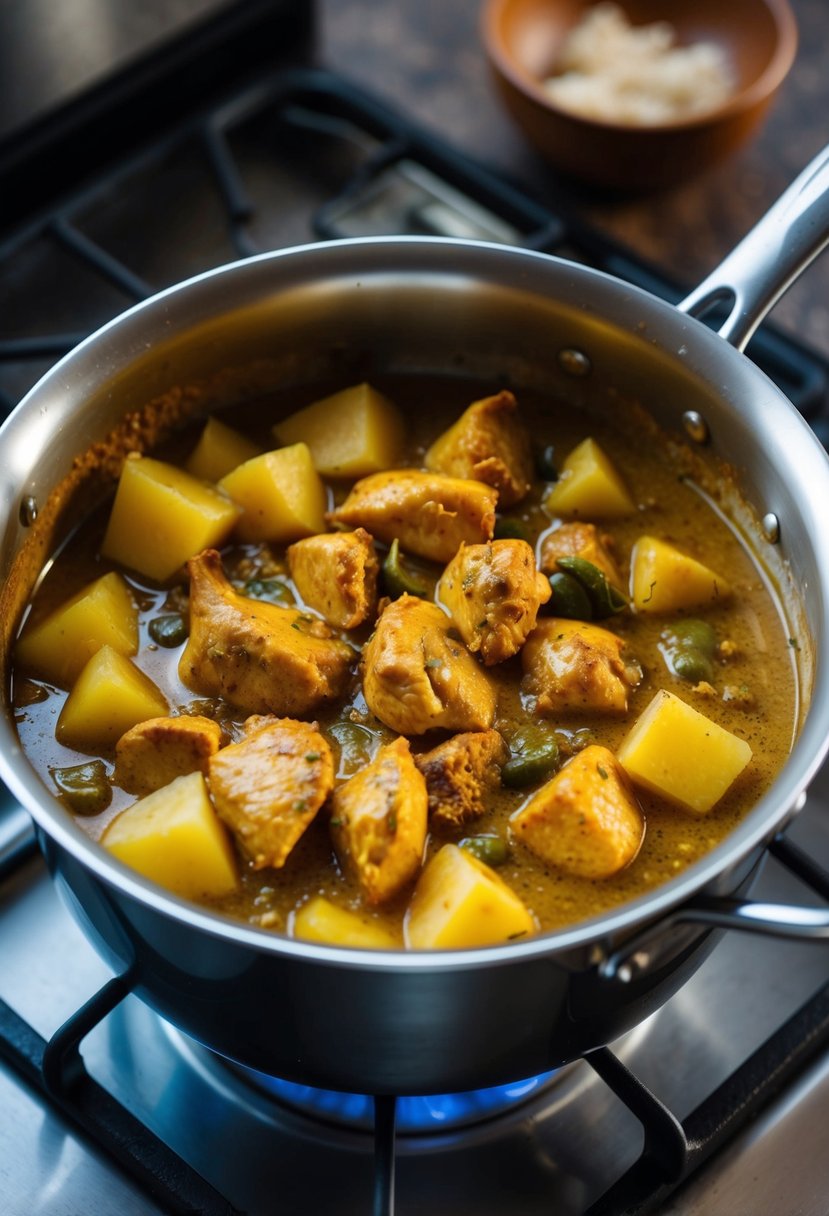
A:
{"x":427,"y":57}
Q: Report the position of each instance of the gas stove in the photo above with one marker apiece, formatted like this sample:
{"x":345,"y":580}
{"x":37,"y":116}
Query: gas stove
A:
{"x":714,"y":1105}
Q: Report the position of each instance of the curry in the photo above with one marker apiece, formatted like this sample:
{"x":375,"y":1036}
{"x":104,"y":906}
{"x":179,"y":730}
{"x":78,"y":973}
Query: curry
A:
{"x":362,"y":677}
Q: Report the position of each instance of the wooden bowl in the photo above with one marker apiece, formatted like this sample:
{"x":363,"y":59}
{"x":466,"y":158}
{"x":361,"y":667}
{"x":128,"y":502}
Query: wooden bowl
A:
{"x":522,"y":39}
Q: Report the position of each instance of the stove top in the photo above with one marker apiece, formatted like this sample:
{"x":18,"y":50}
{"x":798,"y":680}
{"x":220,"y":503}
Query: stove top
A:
{"x":152,"y":1122}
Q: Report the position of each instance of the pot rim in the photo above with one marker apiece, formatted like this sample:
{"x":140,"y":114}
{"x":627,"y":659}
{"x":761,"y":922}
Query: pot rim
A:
{"x":768,"y":815}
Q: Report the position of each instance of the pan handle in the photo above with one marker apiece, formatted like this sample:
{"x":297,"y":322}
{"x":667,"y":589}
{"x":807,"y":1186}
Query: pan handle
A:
{"x":789,"y":921}
{"x":753,"y":277}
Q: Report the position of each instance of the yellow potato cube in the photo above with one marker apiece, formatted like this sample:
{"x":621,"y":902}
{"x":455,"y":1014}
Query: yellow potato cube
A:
{"x":109,"y":696}
{"x":321,"y":921}
{"x":161,"y":516}
{"x":460,"y":902}
{"x":281,"y":496}
{"x":219,"y":450}
{"x":674,"y":750}
{"x":103,"y":613}
{"x":175,"y":838}
{"x":662,"y":579}
{"x":589,"y":486}
{"x":350,"y":434}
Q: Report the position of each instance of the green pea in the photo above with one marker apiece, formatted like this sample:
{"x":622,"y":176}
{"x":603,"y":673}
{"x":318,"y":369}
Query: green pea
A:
{"x":694,"y":634}
{"x":169,"y":630}
{"x":85,"y":787}
{"x":545,"y":463}
{"x":533,"y":756}
{"x":491,"y":850}
{"x":690,"y":664}
{"x":507,"y":527}
{"x":605,"y":599}
{"x":569,"y":598}
{"x":399,"y":580}
{"x":272,"y":589}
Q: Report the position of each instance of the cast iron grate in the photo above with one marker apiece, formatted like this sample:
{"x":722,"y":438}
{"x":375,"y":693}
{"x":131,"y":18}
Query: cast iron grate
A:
{"x":370,"y":171}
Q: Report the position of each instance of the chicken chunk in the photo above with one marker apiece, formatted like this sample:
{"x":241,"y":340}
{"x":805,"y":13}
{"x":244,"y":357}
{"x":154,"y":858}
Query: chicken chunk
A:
{"x":580,"y":540}
{"x":260,"y":657}
{"x":154,"y":752}
{"x":489,"y":443}
{"x":586,"y":820}
{"x":493,"y":592}
{"x":268,"y":787}
{"x":573,"y":667}
{"x":378,"y":822}
{"x":430,"y":515}
{"x":459,"y":773}
{"x":336,"y":574}
{"x":417,"y":677}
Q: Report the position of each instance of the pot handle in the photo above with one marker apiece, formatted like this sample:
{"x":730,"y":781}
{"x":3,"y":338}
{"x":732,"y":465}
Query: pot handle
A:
{"x":790,"y":921}
{"x":753,"y":277}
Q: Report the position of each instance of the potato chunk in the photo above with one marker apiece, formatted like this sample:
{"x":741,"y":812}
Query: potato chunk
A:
{"x":429,"y":514}
{"x":663,"y":579}
{"x":350,"y":434}
{"x":493,"y":593}
{"x":574,"y":667}
{"x":459,"y":902}
{"x":108,"y":697}
{"x":336,"y":575}
{"x":153,"y":753}
{"x":174,"y":838}
{"x":378,"y":822}
{"x":259,"y":656}
{"x":281,"y":496}
{"x":488,"y":443}
{"x":460,"y":773}
{"x":322,"y":921}
{"x":417,"y":678}
{"x":586,"y":819}
{"x":219,"y":450}
{"x":589,"y":484}
{"x":102,"y":614}
{"x":674,"y":750}
{"x":161,"y":516}
{"x":269,"y":787}
{"x":579,"y":540}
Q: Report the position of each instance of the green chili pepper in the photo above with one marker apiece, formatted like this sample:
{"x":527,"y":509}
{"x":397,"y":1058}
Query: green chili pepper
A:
{"x":85,"y":787}
{"x":491,"y":850}
{"x":273,"y":589}
{"x":507,"y":527}
{"x":399,"y":580}
{"x":693,"y":633}
{"x":545,"y":464}
{"x":691,"y":665}
{"x":688,"y":647}
{"x":533,"y":756}
{"x":605,"y":599}
{"x":569,"y":598}
{"x":169,"y":630}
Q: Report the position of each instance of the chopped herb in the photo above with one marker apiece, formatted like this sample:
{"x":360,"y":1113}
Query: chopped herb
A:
{"x":521,"y":933}
{"x":312,"y":756}
{"x":391,"y":820}
{"x":602,"y":772}
{"x":301,"y":804}
{"x":433,"y":663}
{"x":793,"y":642}
{"x":336,"y":821}
{"x":649,"y":596}
{"x":482,"y":624}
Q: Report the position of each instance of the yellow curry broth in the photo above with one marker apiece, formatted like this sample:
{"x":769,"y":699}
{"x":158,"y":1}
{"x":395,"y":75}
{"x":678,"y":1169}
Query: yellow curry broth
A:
{"x":760,"y":704}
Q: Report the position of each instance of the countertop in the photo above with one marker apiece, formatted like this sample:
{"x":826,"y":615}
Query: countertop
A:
{"x":427,"y":57}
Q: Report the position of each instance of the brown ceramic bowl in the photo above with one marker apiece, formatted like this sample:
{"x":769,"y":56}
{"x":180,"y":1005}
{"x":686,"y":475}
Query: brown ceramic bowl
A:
{"x":522,"y":39}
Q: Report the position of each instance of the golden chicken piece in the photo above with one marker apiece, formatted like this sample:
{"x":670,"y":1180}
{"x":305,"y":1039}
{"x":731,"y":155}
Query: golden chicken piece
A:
{"x":260,"y":657}
{"x":268,"y":787}
{"x":336,"y":574}
{"x":417,"y":677}
{"x":585,"y":820}
{"x":459,"y":773}
{"x":574,"y":667}
{"x":580,"y":540}
{"x":378,"y":822}
{"x":493,"y":592}
{"x":488,"y":443}
{"x":154,"y":752}
{"x":429,"y":514}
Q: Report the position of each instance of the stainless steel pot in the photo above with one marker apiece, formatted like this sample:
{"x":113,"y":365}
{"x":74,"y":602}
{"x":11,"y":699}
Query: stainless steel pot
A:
{"x":384,"y":1022}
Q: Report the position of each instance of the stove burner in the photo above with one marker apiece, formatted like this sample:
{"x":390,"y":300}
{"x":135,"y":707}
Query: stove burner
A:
{"x":433,"y":1113}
